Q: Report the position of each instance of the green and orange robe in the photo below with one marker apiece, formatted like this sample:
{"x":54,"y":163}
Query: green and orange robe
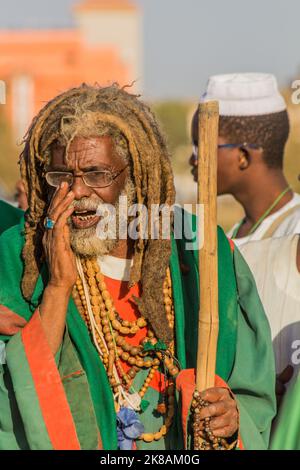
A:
{"x":65,"y":402}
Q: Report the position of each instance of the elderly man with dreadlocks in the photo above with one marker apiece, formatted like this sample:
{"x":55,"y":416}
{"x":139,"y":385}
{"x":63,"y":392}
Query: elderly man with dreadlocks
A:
{"x":94,"y":331}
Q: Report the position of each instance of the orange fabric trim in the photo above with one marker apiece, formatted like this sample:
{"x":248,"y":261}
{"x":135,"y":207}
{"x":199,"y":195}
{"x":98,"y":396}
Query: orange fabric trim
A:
{"x":77,"y":372}
{"x":10,"y":322}
{"x":231,"y":243}
{"x":185,"y":384}
{"x":127,"y":309}
{"x":53,"y":402}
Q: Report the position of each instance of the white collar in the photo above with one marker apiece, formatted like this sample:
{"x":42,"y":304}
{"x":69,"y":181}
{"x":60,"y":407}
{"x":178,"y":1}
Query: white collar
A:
{"x":115,"y":268}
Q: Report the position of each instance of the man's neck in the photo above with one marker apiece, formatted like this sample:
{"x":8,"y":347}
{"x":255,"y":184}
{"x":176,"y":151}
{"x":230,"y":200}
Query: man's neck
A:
{"x":257,"y":199}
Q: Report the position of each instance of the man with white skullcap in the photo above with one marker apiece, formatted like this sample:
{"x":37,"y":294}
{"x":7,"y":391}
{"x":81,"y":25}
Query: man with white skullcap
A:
{"x":253,"y":131}
{"x":252,"y":134}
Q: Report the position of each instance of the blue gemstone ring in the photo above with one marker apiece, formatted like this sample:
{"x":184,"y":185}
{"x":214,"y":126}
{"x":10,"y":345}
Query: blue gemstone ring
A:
{"x":49,"y":223}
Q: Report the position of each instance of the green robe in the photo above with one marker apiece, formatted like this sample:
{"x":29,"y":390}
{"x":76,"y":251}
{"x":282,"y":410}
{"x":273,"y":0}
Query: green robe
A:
{"x":286,"y":430}
{"x":66,"y":402}
{"x":9,"y":216}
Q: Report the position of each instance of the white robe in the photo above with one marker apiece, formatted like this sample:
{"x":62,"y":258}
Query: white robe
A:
{"x":290,"y":225}
{"x":273,"y":264}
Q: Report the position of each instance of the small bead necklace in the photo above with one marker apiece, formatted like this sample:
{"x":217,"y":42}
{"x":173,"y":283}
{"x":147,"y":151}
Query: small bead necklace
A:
{"x":109,"y":331}
{"x":263,"y":217}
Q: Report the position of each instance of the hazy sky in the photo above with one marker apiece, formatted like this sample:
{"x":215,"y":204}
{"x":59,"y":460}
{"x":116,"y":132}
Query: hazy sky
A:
{"x":185,"y":41}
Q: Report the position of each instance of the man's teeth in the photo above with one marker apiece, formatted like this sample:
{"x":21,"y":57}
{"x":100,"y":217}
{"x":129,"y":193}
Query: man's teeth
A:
{"x":82,"y":215}
{"x":87,"y":217}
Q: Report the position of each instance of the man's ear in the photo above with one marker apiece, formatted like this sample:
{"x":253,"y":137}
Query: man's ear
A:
{"x":243,"y":159}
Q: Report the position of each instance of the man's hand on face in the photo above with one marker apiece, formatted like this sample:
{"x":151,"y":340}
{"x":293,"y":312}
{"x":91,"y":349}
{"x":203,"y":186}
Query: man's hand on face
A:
{"x":60,"y":257}
{"x":222,"y":410}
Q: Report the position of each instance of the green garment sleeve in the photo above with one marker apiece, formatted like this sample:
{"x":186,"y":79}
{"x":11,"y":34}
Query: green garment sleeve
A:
{"x":286,"y":430}
{"x":253,"y":377}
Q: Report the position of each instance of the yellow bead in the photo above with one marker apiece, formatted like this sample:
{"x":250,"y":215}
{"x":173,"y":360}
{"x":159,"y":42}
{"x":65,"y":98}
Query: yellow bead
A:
{"x":95,"y":300}
{"x":134,"y":330}
{"x":148,"y":363}
{"x":105,"y":295}
{"x":102,"y":286}
{"x":116,"y":324}
{"x":125,"y":356}
{"x":147,"y":437}
{"x":100,"y":277}
{"x":125,"y":323}
{"x":141,"y":322}
{"x":124,"y":331}
{"x":139,"y":362}
{"x":91,"y":281}
{"x":96,"y":309}
{"x":157,"y":436}
{"x":131,"y":361}
{"x":88,"y":264}
{"x":163,"y":430}
{"x":94,"y":290}
{"x":108,"y":304}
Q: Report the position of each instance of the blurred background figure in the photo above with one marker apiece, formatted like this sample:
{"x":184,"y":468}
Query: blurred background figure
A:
{"x":253,"y":131}
{"x":20,"y":196}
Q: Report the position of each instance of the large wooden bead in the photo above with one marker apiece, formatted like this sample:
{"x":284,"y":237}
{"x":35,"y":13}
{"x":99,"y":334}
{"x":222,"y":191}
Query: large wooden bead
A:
{"x":91,"y":281}
{"x":116,"y":324}
{"x":108,"y":304}
{"x":148,"y":437}
{"x":139,"y":362}
{"x":124,"y":330}
{"x":134,"y":330}
{"x":105,"y":295}
{"x":147,"y":364}
{"x":135,"y":351}
{"x":95,"y":300}
{"x":141,"y":322}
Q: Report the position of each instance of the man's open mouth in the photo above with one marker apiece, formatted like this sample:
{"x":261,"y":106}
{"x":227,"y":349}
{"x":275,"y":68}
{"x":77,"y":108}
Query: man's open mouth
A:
{"x":84,"y":218}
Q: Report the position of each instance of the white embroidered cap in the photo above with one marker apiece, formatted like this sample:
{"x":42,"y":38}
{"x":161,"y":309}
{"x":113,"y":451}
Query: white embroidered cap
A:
{"x":245,"y":94}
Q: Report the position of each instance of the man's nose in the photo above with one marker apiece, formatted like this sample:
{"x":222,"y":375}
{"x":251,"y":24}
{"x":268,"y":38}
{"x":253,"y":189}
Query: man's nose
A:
{"x":80,"y":189}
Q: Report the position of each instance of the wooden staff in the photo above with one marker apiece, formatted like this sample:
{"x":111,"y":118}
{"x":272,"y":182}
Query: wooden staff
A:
{"x":208,"y":326}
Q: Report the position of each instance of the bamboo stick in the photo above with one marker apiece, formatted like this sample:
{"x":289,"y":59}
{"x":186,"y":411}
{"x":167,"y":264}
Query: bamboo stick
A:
{"x":208,"y":323}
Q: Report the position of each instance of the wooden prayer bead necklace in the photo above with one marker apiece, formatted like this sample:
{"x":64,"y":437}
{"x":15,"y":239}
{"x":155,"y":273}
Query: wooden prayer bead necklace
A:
{"x":204,"y":439}
{"x":108,"y":332}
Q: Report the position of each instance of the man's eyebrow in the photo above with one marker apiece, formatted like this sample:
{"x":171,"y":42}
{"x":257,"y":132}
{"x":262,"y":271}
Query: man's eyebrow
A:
{"x":101,"y":167}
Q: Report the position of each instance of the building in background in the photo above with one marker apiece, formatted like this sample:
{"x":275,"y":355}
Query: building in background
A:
{"x":103,"y":46}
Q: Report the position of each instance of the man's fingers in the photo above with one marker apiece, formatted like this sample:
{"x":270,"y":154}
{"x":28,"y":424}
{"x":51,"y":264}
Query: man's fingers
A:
{"x":58,"y":196}
{"x":62,"y":219}
{"x":286,"y":375}
{"x":228,"y":419}
{"x":215,"y":394}
{"x":215,"y":409}
{"x":61,"y":207}
{"x":226,"y":431}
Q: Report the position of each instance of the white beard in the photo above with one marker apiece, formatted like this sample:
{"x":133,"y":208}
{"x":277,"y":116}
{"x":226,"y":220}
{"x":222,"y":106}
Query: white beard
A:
{"x":85,"y":242}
